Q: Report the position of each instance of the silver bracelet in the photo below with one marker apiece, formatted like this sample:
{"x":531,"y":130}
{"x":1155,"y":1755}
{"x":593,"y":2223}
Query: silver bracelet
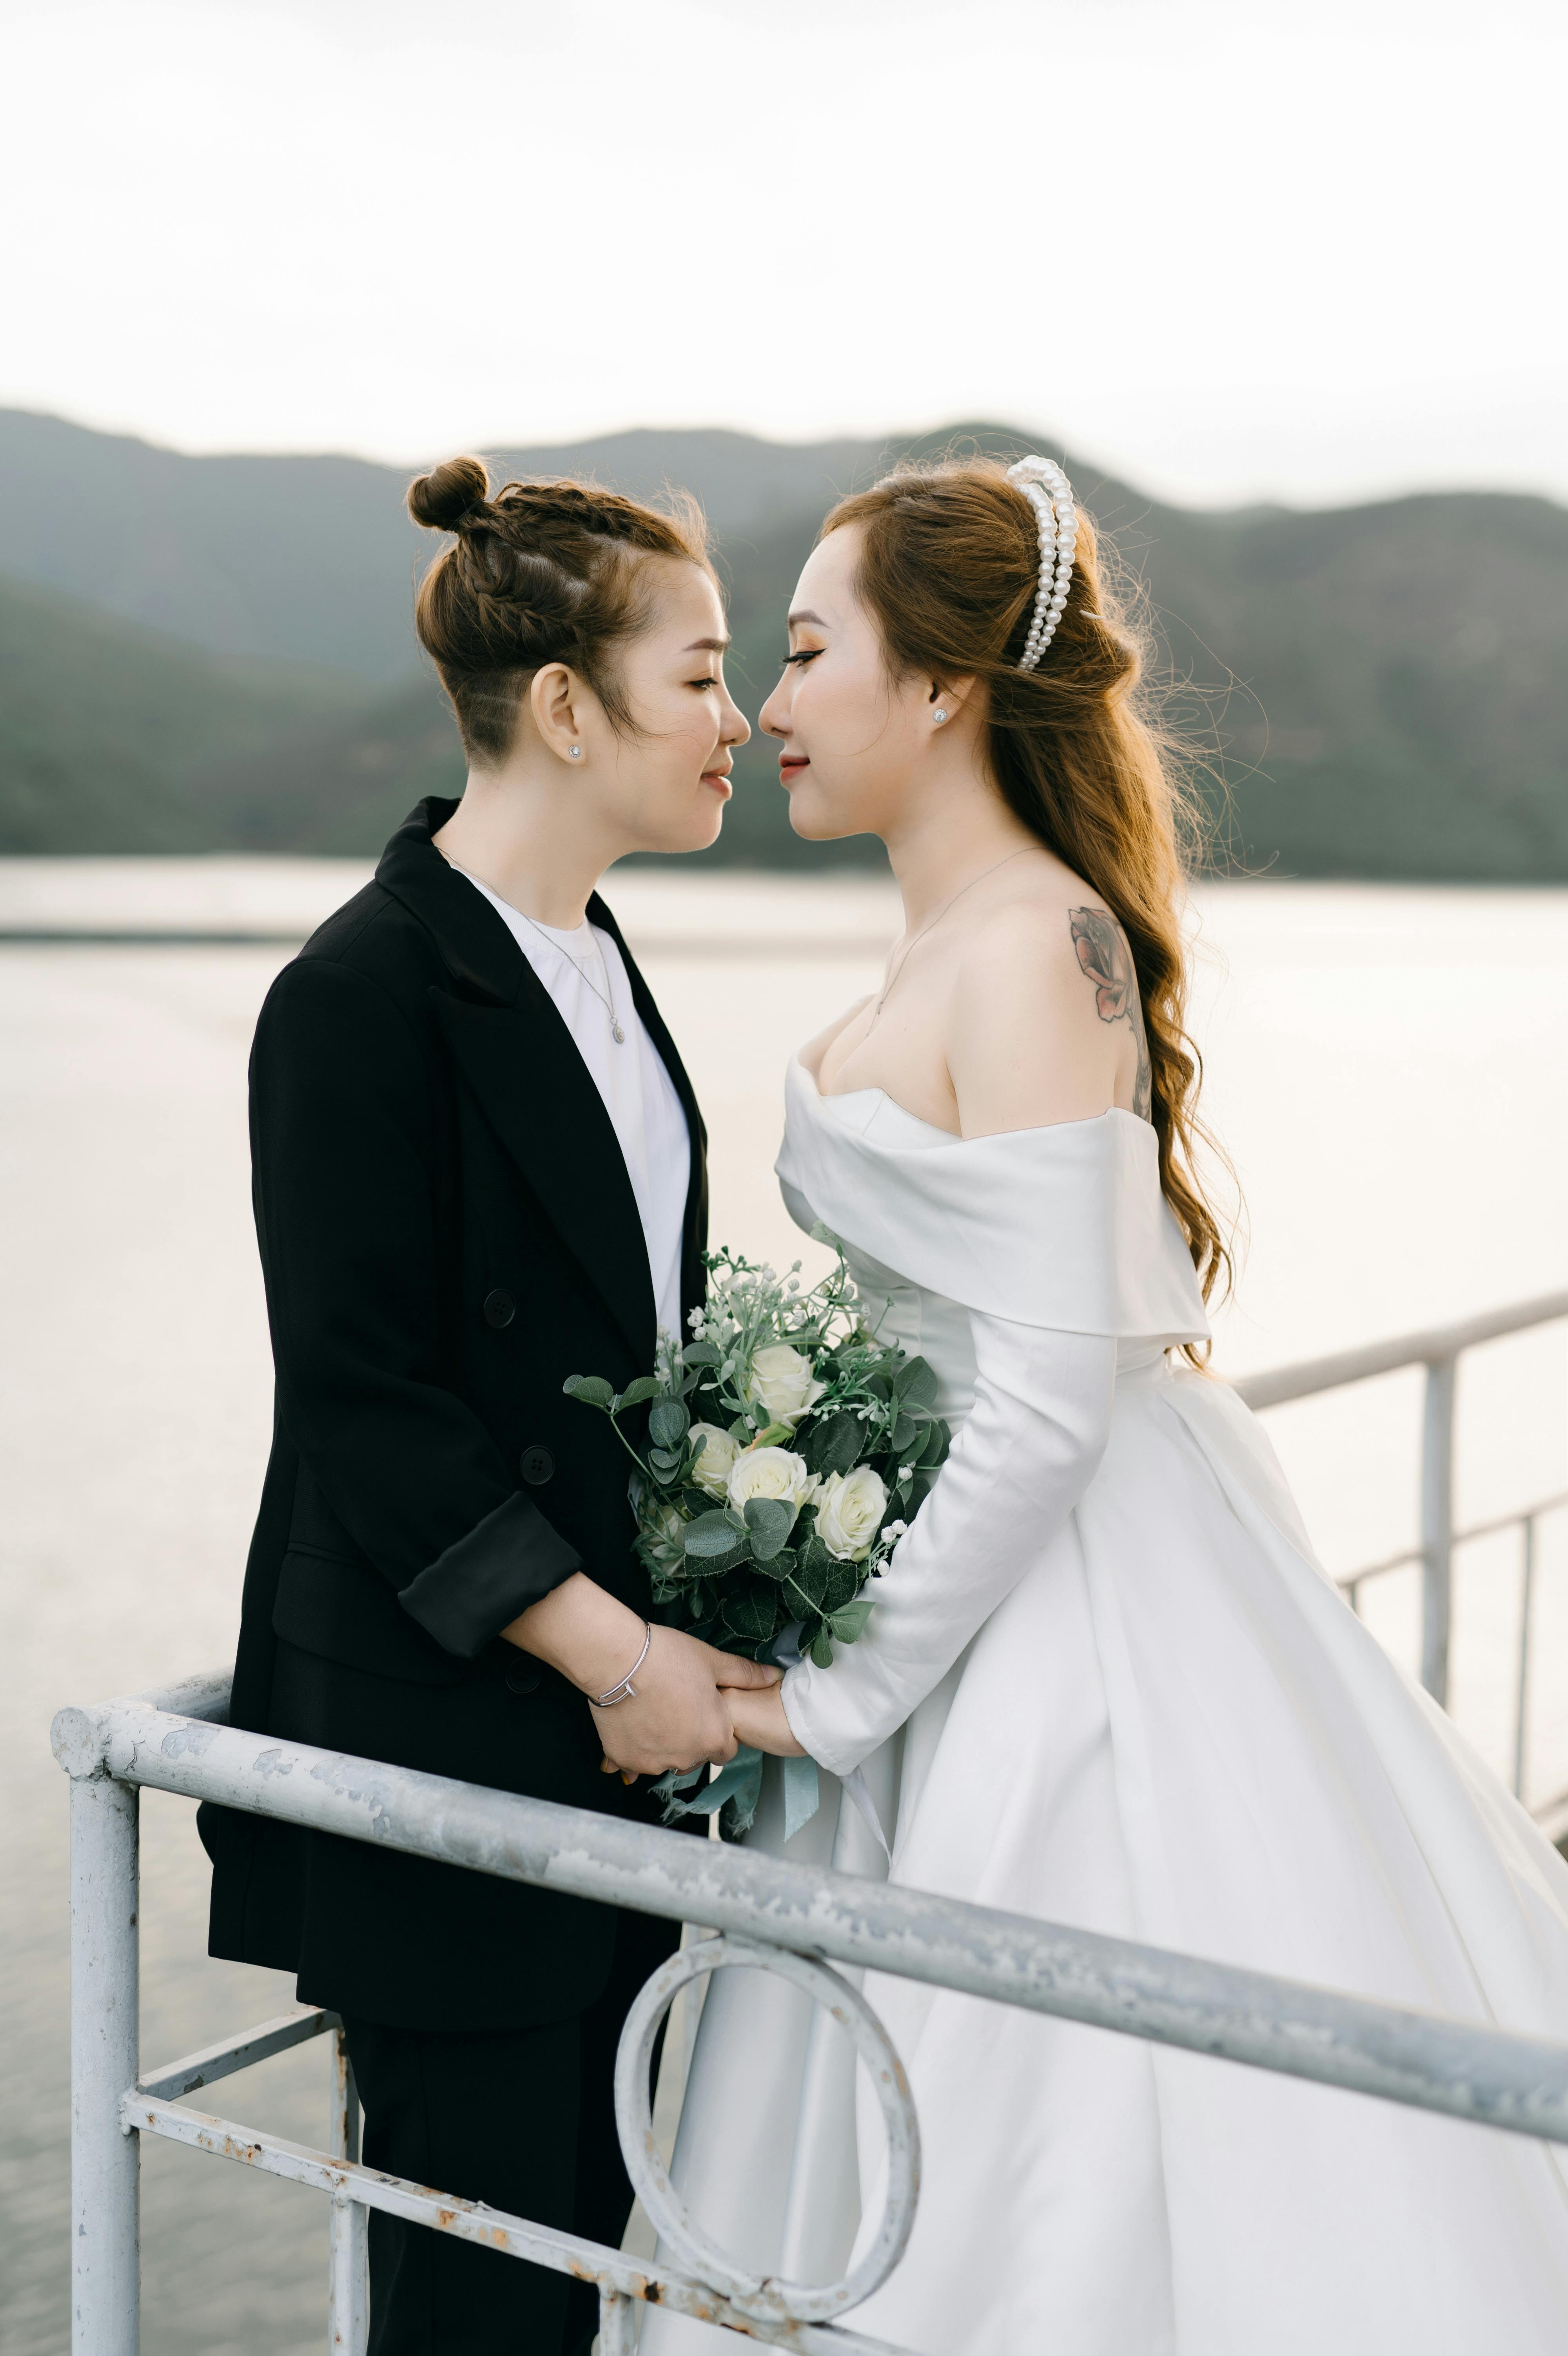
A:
{"x":626,"y":1690}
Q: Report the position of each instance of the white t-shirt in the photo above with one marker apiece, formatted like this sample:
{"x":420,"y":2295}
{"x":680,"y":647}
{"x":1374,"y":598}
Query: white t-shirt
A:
{"x":639,"y":1096}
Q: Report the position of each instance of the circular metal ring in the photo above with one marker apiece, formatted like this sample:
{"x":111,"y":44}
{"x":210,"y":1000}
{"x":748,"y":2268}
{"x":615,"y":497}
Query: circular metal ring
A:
{"x":767,"y":2296}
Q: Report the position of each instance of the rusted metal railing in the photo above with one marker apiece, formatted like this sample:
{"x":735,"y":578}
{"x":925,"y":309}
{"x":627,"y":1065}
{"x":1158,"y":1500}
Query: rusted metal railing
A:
{"x":767,"y":1914}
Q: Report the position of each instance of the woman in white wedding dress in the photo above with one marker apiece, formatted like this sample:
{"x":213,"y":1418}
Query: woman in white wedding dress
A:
{"x":1104,"y":1681}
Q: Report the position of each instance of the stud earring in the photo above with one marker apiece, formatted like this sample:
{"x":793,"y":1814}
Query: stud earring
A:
{"x":939,"y":717}
{"x":577,"y":752}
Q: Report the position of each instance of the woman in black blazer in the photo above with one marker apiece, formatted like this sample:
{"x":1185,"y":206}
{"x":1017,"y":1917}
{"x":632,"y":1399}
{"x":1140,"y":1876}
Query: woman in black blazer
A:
{"x":442,"y":1569}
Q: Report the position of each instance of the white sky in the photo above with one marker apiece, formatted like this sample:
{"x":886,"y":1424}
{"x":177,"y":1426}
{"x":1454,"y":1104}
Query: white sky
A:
{"x":1230,"y":248}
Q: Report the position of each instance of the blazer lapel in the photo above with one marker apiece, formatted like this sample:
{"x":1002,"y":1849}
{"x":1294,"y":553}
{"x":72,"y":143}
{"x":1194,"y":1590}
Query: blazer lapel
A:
{"x":535,"y":1090}
{"x":506,"y":1036}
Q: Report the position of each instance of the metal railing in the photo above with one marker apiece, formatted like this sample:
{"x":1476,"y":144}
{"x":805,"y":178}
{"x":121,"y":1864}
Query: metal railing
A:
{"x":1439,"y":1352}
{"x":763,"y":1913}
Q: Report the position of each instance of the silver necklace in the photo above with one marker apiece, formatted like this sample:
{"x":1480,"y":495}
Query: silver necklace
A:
{"x":616,"y":1032}
{"x":935,"y":920}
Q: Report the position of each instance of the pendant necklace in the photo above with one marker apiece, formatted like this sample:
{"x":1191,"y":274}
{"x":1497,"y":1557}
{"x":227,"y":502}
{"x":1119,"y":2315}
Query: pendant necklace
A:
{"x":616,"y":1032}
{"x":935,"y":920}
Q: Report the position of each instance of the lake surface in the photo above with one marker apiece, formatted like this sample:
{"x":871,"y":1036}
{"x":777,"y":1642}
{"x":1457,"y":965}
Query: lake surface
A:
{"x":1385,"y":1068}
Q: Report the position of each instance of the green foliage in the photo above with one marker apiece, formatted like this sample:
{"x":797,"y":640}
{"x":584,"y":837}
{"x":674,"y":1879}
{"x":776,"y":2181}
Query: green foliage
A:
{"x":107,"y":729}
{"x":743,"y":1574}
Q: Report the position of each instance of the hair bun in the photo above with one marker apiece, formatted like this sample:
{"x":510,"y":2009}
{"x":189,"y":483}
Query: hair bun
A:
{"x":440,"y":498}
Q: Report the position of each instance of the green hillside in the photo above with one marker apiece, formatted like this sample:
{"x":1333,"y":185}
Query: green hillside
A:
{"x":106,"y":728}
{"x":1379,"y":690}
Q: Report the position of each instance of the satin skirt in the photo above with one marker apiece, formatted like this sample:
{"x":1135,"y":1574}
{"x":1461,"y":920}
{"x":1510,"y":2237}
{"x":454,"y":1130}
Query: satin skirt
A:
{"x":1173,"y":1730}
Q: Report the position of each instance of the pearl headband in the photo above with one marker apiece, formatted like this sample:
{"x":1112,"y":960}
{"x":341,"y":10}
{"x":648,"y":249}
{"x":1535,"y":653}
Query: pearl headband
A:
{"x":1050,"y":494}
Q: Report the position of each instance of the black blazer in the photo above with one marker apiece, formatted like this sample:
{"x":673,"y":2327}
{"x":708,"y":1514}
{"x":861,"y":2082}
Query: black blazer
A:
{"x":447,"y":1231}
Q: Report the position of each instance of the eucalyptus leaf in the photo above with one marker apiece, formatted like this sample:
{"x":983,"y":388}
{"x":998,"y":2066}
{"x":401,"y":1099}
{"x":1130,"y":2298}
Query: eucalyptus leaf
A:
{"x":645,"y":1388}
{"x":701,"y":1353}
{"x":668,"y":1422}
{"x":904,"y":1433}
{"x":770,"y":1522}
{"x":667,"y":1462}
{"x":592,"y":1389}
{"x":916,"y":1383}
{"x":710,"y":1533}
{"x":821,"y":1650}
{"x":851,"y":1619}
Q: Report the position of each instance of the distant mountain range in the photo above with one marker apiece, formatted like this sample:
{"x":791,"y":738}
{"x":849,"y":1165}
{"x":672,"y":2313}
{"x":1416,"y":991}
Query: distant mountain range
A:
{"x":216,"y":653}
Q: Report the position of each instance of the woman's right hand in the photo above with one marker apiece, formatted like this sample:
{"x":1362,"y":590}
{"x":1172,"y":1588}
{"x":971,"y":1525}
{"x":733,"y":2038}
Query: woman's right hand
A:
{"x":677,"y":1717}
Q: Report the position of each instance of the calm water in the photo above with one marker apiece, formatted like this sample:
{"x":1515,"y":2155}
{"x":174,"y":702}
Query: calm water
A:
{"x":1385,"y":1068}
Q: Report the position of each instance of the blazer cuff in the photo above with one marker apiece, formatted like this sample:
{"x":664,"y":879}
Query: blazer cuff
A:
{"x":498,"y":1569}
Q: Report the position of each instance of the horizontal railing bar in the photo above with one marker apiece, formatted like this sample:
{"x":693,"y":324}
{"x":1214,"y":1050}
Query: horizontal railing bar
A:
{"x":1281,"y":1384}
{"x":1488,"y":2075}
{"x":1412,"y":1555}
{"x":1512,"y":1521}
{"x":492,"y":2229}
{"x":1376,"y":1570}
{"x":221,"y":2061}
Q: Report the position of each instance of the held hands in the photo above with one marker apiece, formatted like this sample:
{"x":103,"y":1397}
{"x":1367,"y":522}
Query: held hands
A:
{"x":757,"y":1714}
{"x":680,"y":1715}
{"x":682,"y":1709}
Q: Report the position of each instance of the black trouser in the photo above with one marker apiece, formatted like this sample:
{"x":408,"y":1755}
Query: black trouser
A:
{"x":523,"y":2120}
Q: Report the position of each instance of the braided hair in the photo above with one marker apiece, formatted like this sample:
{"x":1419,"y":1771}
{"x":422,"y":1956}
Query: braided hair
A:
{"x":543,"y":573}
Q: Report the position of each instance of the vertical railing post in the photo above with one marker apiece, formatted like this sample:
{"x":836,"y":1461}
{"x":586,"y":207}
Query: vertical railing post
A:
{"x":1437,"y":1526}
{"x":348,"y":2283}
{"x":617,"y":2324}
{"x":1522,"y":1706}
{"x":104,"y":2155}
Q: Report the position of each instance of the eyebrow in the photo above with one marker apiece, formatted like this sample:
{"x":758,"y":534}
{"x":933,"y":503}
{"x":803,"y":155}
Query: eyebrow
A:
{"x":707,"y":646}
{"x":794,"y":620}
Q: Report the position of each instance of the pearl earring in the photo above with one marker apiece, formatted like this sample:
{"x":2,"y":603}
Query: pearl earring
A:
{"x":577,"y":752}
{"x":939,"y":717}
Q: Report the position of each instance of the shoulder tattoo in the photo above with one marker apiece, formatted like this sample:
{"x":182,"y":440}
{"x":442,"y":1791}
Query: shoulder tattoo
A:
{"x":1107,"y":962}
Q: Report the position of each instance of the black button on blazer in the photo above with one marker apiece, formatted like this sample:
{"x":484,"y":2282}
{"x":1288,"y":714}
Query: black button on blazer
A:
{"x":447,"y":1231}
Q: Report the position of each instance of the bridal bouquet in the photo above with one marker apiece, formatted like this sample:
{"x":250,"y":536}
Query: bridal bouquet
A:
{"x":788,"y":1449}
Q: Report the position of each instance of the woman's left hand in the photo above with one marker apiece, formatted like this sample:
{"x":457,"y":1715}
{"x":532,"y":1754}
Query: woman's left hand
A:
{"x":758,"y":1717}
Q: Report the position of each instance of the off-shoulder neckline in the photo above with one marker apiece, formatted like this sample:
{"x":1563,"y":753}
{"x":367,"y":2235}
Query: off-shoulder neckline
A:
{"x":948,"y":1137}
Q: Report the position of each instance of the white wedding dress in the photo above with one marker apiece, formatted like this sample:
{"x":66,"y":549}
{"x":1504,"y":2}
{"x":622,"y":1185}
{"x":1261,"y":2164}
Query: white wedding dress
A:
{"x":1107,"y":1684}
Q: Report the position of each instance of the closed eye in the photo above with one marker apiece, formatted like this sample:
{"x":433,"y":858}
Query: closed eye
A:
{"x":806,"y":654}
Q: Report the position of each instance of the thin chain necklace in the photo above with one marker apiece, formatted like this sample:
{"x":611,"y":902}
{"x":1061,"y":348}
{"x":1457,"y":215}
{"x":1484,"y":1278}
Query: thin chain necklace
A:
{"x":934,"y":921}
{"x":616,"y":1032}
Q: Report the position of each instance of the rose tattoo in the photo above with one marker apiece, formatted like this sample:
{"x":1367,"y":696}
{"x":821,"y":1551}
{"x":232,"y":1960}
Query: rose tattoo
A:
{"x":1107,"y":962}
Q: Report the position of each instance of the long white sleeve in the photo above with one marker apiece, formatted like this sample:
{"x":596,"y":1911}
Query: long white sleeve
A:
{"x":1027,"y":1452}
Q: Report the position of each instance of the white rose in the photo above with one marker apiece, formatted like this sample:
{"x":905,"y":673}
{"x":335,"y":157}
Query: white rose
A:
{"x":849,"y":1509}
{"x":782,"y":1384}
{"x":716,"y":1453}
{"x":770,"y":1472}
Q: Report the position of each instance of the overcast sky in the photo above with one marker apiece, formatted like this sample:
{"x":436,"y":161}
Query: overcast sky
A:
{"x":1231,"y":250}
